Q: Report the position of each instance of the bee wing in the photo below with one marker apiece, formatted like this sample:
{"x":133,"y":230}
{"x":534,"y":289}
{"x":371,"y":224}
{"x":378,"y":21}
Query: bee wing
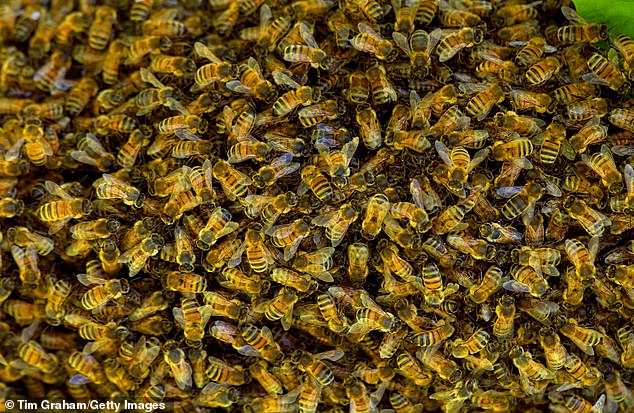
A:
{"x":253,"y":64}
{"x":291,"y":250}
{"x":599,"y":406}
{"x":349,"y":148}
{"x":284,"y":80}
{"x":265,"y":17}
{"x":332,"y":355}
{"x":480,"y":156}
{"x":401,"y":41}
{"x":325,"y":219}
{"x":508,"y":191}
{"x":572,"y":15}
{"x":364,"y":28}
{"x":567,"y":150}
{"x":179,"y":317}
{"x":57,"y":190}
{"x":593,"y":248}
{"x":307,"y":36}
{"x":516,"y":286}
{"x":203,"y":51}
{"x":187,"y":135}
{"x":148,"y":77}
{"x":591,"y":77}
{"x":287,"y":319}
{"x":83,"y":157}
{"x":79,"y":379}
{"x":628,"y":174}
{"x":13,"y":152}
{"x":237,"y":86}
{"x":522,"y":163}
{"x":443,"y":153}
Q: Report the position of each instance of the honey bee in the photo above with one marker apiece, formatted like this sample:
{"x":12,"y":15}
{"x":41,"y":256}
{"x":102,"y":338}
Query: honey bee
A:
{"x":521,"y":199}
{"x":100,"y":295}
{"x":587,"y":109}
{"x":584,"y":338}
{"x":217,"y":70}
{"x":453,"y":41}
{"x":602,"y":163}
{"x":11,"y":207}
{"x":524,"y":125}
{"x":87,"y":367}
{"x":418,"y":49}
{"x":382,"y":90}
{"x":283,"y":403}
{"x":58,"y":213}
{"x":317,"y":182}
{"x":91,"y":230}
{"x":528,"y":100}
{"x":32,"y":353}
{"x":621,"y":274}
{"x":319,"y":112}
{"x":177,"y":362}
{"x":503,"y":327}
{"x":575,"y":92}
{"x":451,"y":218}
{"x":309,"y":53}
{"x":258,"y":255}
{"x":583,"y":258}
{"x":337,"y":322}
{"x":590,"y":219}
{"x":288,"y":236}
{"x":299,"y":96}
{"x":101,"y":30}
{"x":375,"y":213}
{"x":437,"y":335}
{"x":192,"y":318}
{"x":252,"y":82}
{"x":235,"y":184}
{"x":114,"y":188}
{"x":316,"y":263}
{"x":219,"y":305}
{"x":137,"y":256}
{"x":337,"y":222}
{"x":149,"y":99}
{"x":359,"y":89}
{"x":606,"y":73}
{"x":72,"y":24}
{"x":622,"y":118}
{"x":460,"y":165}
{"x":290,"y":278}
{"x":370,"y":129}
{"x":581,"y":31}
{"x":372,"y":317}
{"x":314,"y":366}
{"x":369,"y":41}
{"x":175,"y":65}
{"x":262,"y":341}
{"x":279,"y":307}
{"x":625,"y":46}
{"x":445,"y":368}
{"x":79,"y":96}
{"x":145,"y":45}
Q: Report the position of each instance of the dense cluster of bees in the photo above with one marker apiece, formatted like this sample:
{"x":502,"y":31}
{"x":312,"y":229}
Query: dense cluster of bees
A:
{"x":420,"y":205}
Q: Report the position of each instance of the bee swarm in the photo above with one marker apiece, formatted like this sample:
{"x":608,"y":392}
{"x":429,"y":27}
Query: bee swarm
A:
{"x":318,"y":205}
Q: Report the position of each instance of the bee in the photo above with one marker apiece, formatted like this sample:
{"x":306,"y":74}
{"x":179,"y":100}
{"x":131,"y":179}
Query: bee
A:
{"x":453,"y":41}
{"x":258,"y":255}
{"x":292,"y":279}
{"x":279,"y":307}
{"x":622,"y":118}
{"x":591,"y":220}
{"x":583,"y":258}
{"x":87,"y":367}
{"x":451,"y":218}
{"x":543,"y":70}
{"x":521,"y":199}
{"x":79,"y":96}
{"x":283,"y":403}
{"x":252,"y":82}
{"x":473,"y":345}
{"x":192,"y":318}
{"x":542,"y":260}
{"x":299,"y":96}
{"x":114,"y":188}
{"x":164,"y":26}
{"x":217,"y":70}
{"x":101,"y":30}
{"x":11,"y":207}
{"x":437,"y":335}
{"x":460,"y":165}
{"x":130,"y":150}
{"x":58,"y":213}
{"x":477,"y":248}
{"x":602,"y":163}
{"x":376,"y":210}
{"x":72,"y":24}
{"x":575,"y":92}
{"x":145,"y":45}
{"x":577,"y":404}
{"x":337,"y":322}
{"x":524,"y":125}
{"x":137,"y":256}
{"x":175,"y":65}
{"x":587,"y":109}
{"x":338,"y":161}
{"x":369,"y":41}
{"x":314,"y":366}
{"x":584,"y":338}
{"x":434,"y":360}
{"x":370,"y":129}
{"x":100,"y":295}
{"x":532,"y":51}
{"x":625,"y":46}
{"x":262,"y":341}
{"x":392,"y":261}
{"x":184,"y":282}
{"x":382,"y":90}
{"x":373,"y":317}
{"x":529,"y":369}
{"x":316,"y":263}
{"x":359,"y":87}
{"x":91,"y":230}
{"x":418,"y":49}
{"x":289,"y":236}
{"x":309,"y":53}
{"x":32,"y":353}
{"x":621,"y":274}
{"x":317,"y":182}
{"x":177,"y":362}
{"x":218,"y":225}
{"x":149,"y":99}
{"x":491,"y":282}
{"x":235,"y":184}
{"x":337,"y":222}
{"x":528,"y":100}
{"x":497,"y":233}
{"x":503,"y":327}
{"x":50,"y":76}
{"x":581,"y":31}
{"x":220,"y":306}
{"x":604,"y":72}
{"x":482,"y":103}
